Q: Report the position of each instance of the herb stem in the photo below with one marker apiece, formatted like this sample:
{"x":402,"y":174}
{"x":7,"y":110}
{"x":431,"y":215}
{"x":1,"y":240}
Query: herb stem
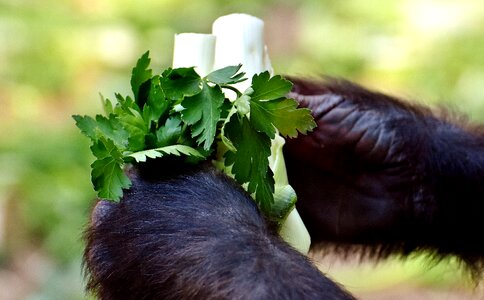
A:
{"x":235,"y":90}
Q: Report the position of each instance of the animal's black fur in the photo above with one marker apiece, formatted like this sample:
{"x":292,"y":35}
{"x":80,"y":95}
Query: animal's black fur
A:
{"x":194,"y":234}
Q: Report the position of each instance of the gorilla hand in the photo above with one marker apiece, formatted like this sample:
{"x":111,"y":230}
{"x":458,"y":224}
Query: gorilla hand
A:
{"x":379,"y":171}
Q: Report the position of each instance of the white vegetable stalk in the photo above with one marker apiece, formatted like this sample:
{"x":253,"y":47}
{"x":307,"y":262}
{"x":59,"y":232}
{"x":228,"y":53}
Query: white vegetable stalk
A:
{"x":239,"y":39}
{"x":293,"y":230}
{"x":194,"y":50}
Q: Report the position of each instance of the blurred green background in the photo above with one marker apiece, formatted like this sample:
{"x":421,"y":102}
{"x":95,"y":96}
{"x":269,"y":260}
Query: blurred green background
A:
{"x":57,"y":56}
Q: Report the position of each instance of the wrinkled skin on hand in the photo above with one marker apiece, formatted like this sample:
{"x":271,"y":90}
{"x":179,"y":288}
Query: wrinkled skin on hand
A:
{"x":388,"y":175}
{"x":359,"y":175}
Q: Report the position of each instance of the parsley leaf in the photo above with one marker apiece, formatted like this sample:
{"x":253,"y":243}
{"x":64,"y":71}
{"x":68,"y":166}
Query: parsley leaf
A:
{"x":110,"y":128}
{"x":202,"y":111}
{"x":177,"y":150}
{"x":125,"y":104}
{"x":250,"y":162}
{"x":157,"y":104}
{"x":107,"y":105}
{"x":181,"y":82}
{"x":169,"y":133}
{"x":283,"y":114}
{"x":227,"y":75}
{"x":134,"y":123}
{"x":87,"y":125}
{"x":269,"y":109}
{"x":107,"y":174}
{"x":140,"y":74}
{"x":269,"y":88}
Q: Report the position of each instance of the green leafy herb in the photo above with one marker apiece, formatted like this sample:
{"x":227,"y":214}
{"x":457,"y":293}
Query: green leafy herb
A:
{"x":180,"y":83}
{"x":157,"y":104}
{"x":227,"y":75}
{"x":270,"y":109}
{"x":140,"y":74}
{"x":250,"y":162}
{"x":203,"y":112}
{"x":180,"y":113}
{"x":107,"y":175}
{"x":177,"y":150}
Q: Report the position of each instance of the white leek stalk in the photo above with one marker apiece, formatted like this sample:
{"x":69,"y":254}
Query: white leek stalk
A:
{"x":194,"y":50}
{"x":292,"y":230}
{"x":239,"y":39}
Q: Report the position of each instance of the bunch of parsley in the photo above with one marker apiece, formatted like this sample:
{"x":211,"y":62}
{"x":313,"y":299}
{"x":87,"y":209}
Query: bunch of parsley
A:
{"x":180,"y":113}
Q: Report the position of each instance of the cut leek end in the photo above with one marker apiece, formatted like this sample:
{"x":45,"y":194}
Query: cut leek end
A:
{"x":194,"y":50}
{"x":295,"y":233}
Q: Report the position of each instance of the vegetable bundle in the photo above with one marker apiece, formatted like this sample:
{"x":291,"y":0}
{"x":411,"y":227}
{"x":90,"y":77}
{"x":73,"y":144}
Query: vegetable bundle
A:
{"x":178,"y":113}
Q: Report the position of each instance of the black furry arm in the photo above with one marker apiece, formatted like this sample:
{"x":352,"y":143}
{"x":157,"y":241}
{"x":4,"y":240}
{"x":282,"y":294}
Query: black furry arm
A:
{"x":454,"y":177}
{"x":194,"y":234}
{"x":380,"y":171}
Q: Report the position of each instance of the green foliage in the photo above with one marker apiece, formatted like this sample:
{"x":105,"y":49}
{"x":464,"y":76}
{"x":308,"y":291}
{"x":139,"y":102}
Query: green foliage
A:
{"x":182,"y":115}
{"x":180,"y":83}
{"x":107,"y":174}
{"x":270,"y":108}
{"x":250,"y":161}
{"x":227,"y":75}
{"x":202,"y":111}
{"x":140,"y":74}
{"x":176,"y":150}
{"x":157,"y":104}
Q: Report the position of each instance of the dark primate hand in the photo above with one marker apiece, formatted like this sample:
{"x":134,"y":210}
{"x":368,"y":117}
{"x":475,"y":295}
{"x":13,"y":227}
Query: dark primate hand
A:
{"x":357,"y":173}
{"x":378,"y":170}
